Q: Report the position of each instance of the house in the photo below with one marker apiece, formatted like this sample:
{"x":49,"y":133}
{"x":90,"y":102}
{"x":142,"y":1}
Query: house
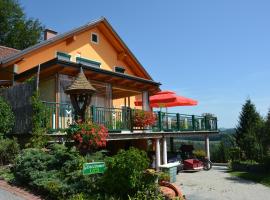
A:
{"x":113,"y":71}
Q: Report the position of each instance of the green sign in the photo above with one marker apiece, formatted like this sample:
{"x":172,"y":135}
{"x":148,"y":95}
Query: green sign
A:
{"x":93,"y":168}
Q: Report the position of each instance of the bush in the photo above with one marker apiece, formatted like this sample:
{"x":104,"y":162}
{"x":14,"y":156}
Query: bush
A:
{"x":235,"y":154}
{"x":150,"y":193}
{"x":9,"y":149}
{"x":56,"y":172}
{"x":6,"y":117}
{"x":30,"y":163}
{"x":199,"y":154}
{"x":125,"y":172}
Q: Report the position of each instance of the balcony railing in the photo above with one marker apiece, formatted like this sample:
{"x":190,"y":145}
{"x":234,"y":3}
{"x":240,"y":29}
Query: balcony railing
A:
{"x":121,"y":119}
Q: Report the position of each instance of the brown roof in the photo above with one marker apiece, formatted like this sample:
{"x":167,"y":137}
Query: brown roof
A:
{"x":7,"y":51}
{"x":80,"y":85}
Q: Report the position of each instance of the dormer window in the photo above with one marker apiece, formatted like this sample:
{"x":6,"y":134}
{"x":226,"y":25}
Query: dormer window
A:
{"x":94,"y":38}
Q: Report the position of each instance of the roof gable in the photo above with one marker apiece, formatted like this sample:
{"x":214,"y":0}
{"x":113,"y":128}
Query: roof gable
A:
{"x":103,"y":25}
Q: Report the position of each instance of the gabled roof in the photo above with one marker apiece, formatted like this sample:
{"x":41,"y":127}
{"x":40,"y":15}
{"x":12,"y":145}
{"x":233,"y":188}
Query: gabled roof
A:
{"x":60,"y":37}
{"x":7,"y":52}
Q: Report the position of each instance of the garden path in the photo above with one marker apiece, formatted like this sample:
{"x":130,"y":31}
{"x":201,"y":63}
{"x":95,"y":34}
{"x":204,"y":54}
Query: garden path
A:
{"x":218,"y":184}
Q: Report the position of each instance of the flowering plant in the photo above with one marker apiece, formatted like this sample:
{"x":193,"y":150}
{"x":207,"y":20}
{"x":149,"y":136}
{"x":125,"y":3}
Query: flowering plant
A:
{"x":143,"y":118}
{"x":88,"y":135}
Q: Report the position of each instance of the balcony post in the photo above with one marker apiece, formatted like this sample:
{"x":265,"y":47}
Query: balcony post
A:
{"x":164,"y":151}
{"x":216,"y":126}
{"x":93,"y":113}
{"x":178,"y":121}
{"x":157,"y":154}
{"x":207,"y":148}
{"x":145,"y":101}
{"x":205,"y":123}
{"x":159,"y":121}
{"x":131,"y":118}
{"x":193,"y":123}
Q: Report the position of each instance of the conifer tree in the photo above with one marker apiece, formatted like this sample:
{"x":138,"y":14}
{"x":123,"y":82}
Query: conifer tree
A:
{"x":266,"y":135}
{"x":248,"y":130}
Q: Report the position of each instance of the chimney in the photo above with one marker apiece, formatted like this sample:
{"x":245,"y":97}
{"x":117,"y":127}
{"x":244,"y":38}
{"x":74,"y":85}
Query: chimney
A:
{"x":48,"y":34}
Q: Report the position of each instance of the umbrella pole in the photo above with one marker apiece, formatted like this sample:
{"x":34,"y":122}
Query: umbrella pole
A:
{"x":167,"y":120}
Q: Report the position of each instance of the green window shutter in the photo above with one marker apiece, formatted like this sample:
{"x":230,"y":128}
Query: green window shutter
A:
{"x":87,"y":62}
{"x":63,"y":56}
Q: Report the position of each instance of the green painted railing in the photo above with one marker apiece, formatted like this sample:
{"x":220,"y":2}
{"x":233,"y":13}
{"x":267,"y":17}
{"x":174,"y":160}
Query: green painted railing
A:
{"x":121,"y":119}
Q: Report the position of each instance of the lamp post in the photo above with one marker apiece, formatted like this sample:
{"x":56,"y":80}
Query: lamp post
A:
{"x":80,"y":92}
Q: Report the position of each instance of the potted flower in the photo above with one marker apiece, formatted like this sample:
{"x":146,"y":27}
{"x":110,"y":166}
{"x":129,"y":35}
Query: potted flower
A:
{"x":143,"y":119}
{"x":88,"y":136}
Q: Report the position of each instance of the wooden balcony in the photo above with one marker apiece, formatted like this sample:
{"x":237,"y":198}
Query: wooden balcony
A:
{"x":121,"y":121}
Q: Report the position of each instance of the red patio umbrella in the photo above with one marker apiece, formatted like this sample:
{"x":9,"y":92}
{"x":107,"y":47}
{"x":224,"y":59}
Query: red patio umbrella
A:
{"x":168,"y":99}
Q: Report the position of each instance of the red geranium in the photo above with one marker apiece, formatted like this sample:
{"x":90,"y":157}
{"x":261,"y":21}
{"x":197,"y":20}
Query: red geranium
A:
{"x":143,"y":118}
{"x":89,"y":136}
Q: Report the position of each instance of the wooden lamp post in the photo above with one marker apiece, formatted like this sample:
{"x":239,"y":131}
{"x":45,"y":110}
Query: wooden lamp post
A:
{"x":80,"y":92}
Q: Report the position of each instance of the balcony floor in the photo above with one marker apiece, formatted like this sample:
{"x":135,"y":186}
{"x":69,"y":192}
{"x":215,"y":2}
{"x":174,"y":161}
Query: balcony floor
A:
{"x":152,"y":135}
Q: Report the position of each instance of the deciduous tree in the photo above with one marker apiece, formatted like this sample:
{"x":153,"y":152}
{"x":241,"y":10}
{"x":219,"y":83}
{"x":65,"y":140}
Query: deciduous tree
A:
{"x":16,"y":30}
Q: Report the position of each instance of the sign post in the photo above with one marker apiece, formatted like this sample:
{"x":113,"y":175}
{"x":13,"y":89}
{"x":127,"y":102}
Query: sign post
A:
{"x":93,"y":168}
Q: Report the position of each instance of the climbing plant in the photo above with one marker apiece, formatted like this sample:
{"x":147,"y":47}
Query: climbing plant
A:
{"x":39,"y":122}
{"x":6,"y":117}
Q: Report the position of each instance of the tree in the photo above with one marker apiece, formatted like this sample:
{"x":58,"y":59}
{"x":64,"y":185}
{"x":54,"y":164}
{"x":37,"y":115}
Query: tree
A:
{"x":248,"y":130}
{"x":16,"y":30}
{"x":265,"y":138}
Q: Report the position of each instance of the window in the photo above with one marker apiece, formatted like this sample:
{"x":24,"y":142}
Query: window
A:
{"x":94,"y":38}
{"x":119,"y":69}
{"x":87,"y":62}
{"x":63,"y":56}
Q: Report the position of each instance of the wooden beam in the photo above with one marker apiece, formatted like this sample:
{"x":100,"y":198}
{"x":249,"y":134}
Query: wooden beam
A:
{"x":122,"y":55}
{"x":70,"y":39}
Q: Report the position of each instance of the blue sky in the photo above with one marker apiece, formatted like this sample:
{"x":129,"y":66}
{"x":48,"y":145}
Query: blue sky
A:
{"x":217,"y":52}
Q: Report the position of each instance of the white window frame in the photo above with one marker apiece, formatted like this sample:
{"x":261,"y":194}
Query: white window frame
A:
{"x":93,"y":33}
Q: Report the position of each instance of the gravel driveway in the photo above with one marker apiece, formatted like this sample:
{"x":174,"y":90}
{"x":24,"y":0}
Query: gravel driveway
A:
{"x":217,"y":184}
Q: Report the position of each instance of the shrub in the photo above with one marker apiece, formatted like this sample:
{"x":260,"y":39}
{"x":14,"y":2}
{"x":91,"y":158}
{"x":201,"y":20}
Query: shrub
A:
{"x":9,"y":149}
{"x":56,"y":172}
{"x":199,"y":154}
{"x":29,"y":163}
{"x":235,"y":153}
{"x":163,"y":176}
{"x":150,"y":193}
{"x":6,"y":117}
{"x":125,"y":172}
{"x":40,"y":123}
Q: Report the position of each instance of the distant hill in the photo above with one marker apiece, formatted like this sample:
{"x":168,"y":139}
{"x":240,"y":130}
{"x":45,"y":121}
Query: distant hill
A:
{"x":227,"y":131}
{"x":222,"y":133}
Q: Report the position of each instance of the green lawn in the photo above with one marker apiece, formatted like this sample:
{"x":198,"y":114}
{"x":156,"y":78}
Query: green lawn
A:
{"x":263,"y":178}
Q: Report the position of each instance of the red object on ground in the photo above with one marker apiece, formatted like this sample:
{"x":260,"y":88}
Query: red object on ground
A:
{"x":170,"y":190}
{"x":193,"y":164}
{"x":168,"y":99}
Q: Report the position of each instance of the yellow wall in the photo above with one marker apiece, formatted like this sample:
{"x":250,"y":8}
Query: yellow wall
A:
{"x":102,"y":52}
{"x":47,"y":89}
{"x":117,"y":103}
